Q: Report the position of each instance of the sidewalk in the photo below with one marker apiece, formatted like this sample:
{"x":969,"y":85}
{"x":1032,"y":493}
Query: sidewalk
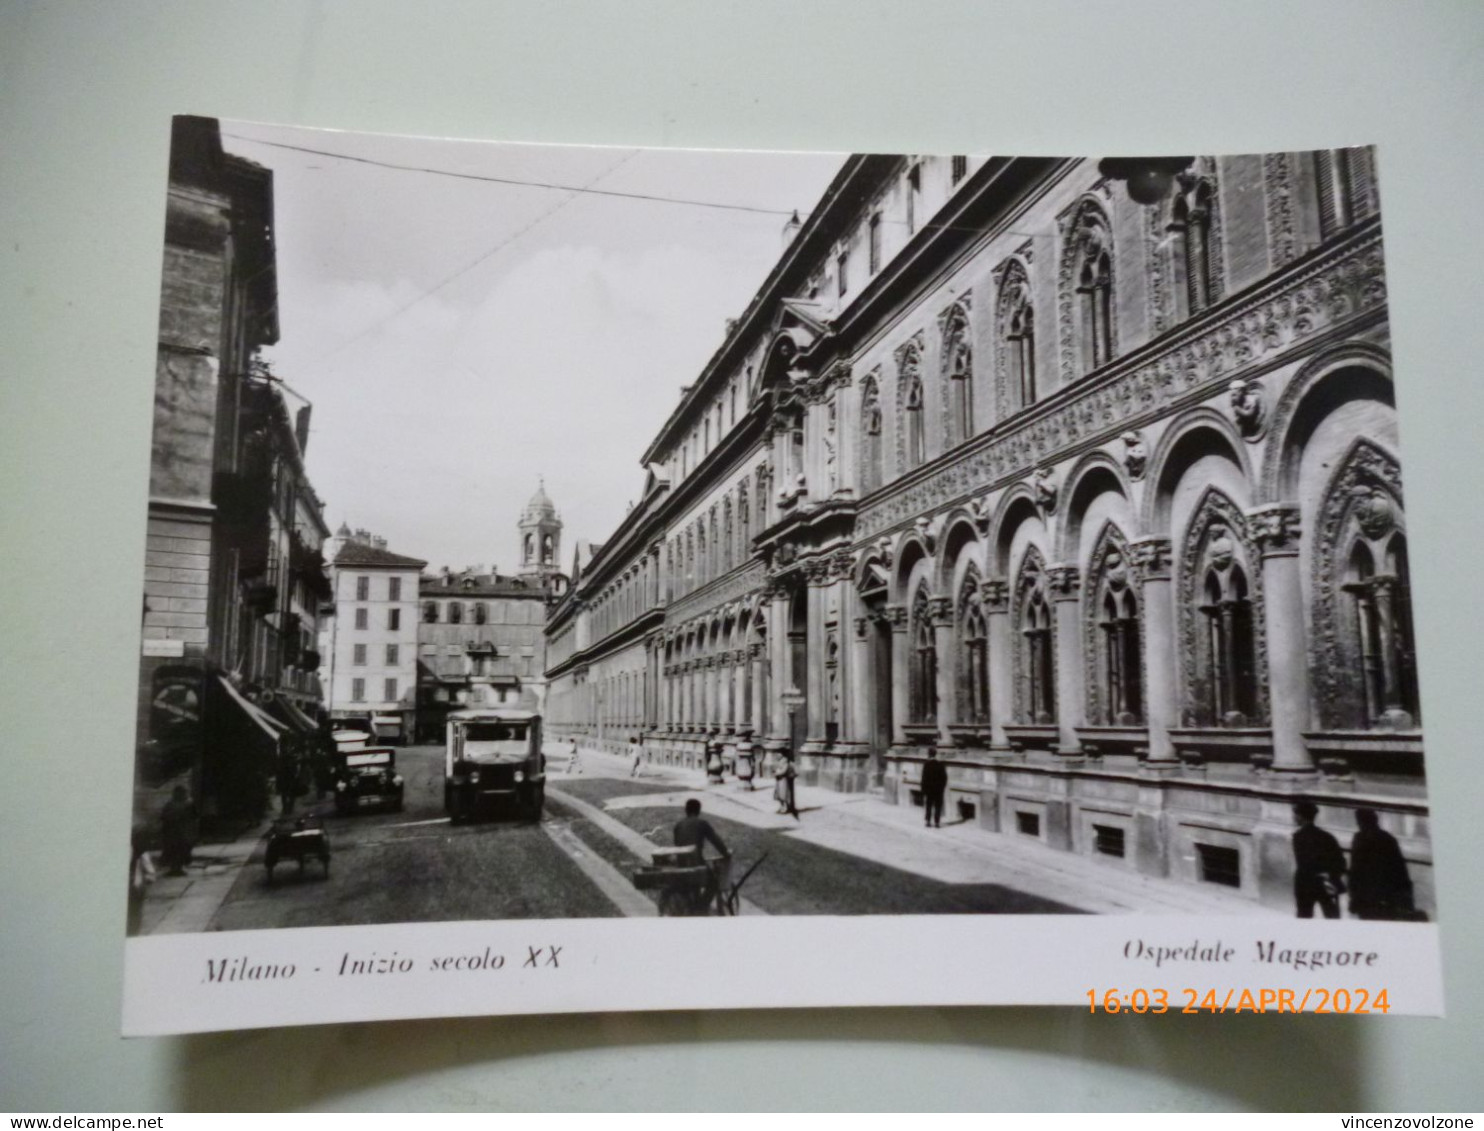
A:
{"x":894,"y":836}
{"x":185,"y":904}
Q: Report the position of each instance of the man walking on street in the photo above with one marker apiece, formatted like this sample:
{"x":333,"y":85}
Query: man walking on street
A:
{"x":1318,"y":865}
{"x":934,"y":784}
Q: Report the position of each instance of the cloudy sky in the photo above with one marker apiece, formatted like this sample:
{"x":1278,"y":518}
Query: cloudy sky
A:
{"x":460,"y":338}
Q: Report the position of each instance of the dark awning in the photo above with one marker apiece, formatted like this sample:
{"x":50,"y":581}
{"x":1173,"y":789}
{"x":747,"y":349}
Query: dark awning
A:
{"x":269,"y":725}
{"x":291,"y":716}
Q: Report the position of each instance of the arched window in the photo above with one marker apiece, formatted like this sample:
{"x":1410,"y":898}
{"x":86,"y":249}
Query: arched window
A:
{"x":728,"y":541}
{"x":530,"y":548}
{"x":430,"y":612}
{"x":912,"y":412}
{"x":958,"y":373}
{"x":481,"y":612}
{"x":1190,"y":231}
{"x":870,"y":436}
{"x":1036,"y":663}
{"x":1095,"y":285}
{"x":1121,"y":657}
{"x":1091,"y":276}
{"x":744,"y":522}
{"x":923,"y":704}
{"x":1229,"y":653}
{"x":1383,"y":627}
{"x":455,"y":613}
{"x":973,"y":642}
{"x":713,"y":564}
{"x":1015,"y":338}
{"x":548,"y":550}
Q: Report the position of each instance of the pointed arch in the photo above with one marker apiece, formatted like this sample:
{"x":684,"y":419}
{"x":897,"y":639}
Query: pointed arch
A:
{"x":1016,"y":381}
{"x":922,"y":662}
{"x":911,"y":406}
{"x":1087,"y":326}
{"x":1113,"y":631}
{"x":971,"y":637}
{"x":872,"y":447}
{"x":1223,"y":647}
{"x":1033,"y":627}
{"x":957,"y":374}
{"x":1362,"y":643}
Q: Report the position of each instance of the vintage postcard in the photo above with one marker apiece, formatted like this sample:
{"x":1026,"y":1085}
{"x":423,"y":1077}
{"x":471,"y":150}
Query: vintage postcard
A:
{"x":589,"y":579}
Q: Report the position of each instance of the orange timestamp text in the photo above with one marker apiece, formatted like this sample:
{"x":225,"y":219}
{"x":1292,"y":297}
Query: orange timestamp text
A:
{"x":1265,"y":999}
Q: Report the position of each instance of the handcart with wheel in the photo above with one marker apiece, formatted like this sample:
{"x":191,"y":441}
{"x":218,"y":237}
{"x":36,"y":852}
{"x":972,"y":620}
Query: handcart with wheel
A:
{"x":298,"y":839}
{"x":688,"y":885}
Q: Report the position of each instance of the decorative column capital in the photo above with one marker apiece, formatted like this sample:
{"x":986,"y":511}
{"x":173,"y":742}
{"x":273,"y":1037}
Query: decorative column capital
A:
{"x":1275,"y":528}
{"x":1152,"y":558}
{"x":896,"y":616}
{"x":755,"y":649}
{"x":940,"y":610}
{"x":1064,"y":581}
{"x":862,"y":627}
{"x":994,"y":596}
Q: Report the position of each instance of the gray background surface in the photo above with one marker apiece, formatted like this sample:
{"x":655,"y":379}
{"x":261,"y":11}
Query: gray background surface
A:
{"x":86,"y":91}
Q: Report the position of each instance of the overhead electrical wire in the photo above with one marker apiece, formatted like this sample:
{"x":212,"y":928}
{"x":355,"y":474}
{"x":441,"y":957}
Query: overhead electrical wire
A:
{"x":462,"y":271}
{"x":517,"y":182}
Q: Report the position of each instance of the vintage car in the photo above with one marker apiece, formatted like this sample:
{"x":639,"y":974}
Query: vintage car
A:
{"x":494,"y":764}
{"x":367,"y":777}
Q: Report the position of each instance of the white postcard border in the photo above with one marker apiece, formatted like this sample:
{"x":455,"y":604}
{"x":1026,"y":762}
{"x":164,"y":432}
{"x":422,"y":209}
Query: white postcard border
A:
{"x":253,"y":979}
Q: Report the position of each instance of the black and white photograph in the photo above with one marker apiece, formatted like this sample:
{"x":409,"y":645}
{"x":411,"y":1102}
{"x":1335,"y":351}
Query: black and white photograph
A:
{"x":927,"y":544}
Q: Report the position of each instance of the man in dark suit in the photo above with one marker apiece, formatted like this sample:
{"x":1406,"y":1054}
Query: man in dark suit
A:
{"x":1380,"y":887}
{"x":934,"y":783}
{"x":1318,"y":865}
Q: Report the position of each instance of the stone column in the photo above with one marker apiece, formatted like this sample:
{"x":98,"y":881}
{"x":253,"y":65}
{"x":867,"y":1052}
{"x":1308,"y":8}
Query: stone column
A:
{"x":847,"y":415}
{"x":940,"y":611}
{"x":995,"y":599}
{"x":1161,"y":708}
{"x":1064,"y":583}
{"x":708,"y":693}
{"x":858,"y":687}
{"x":1275,"y":529}
{"x":759,"y":690}
{"x":778,"y":667}
{"x":814,"y":650}
{"x":899,"y":669}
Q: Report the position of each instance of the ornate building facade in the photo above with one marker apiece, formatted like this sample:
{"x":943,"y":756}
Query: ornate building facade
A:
{"x":1100,"y":499}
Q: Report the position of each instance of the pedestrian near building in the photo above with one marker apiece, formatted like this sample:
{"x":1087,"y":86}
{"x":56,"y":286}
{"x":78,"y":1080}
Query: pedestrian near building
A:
{"x":177,"y":831}
{"x":1318,"y":865}
{"x":934,"y":785}
{"x":783,"y":787}
{"x":1380,"y":887}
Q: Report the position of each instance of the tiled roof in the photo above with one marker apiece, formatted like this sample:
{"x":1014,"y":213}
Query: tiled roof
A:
{"x":484,"y":585}
{"x":360,"y":554}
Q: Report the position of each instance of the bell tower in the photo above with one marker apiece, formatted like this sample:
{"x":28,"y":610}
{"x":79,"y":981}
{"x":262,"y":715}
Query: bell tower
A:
{"x":540,"y":539}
